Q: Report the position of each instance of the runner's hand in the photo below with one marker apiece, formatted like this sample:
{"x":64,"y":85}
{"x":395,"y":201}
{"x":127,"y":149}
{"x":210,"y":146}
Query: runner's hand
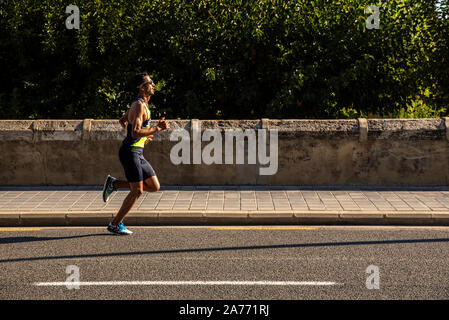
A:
{"x":163,"y":124}
{"x":149,"y":138}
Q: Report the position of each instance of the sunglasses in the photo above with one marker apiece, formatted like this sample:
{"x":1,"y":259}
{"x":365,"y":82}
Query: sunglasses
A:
{"x":149,"y":81}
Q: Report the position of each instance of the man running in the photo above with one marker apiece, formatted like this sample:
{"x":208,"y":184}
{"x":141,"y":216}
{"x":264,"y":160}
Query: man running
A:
{"x":138,"y":171}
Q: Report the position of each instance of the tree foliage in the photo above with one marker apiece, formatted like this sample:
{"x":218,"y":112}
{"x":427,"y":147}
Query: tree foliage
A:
{"x":225,"y":59}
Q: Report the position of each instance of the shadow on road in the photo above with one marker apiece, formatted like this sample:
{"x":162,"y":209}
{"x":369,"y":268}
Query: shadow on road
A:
{"x":33,"y":239}
{"x":212,"y":249}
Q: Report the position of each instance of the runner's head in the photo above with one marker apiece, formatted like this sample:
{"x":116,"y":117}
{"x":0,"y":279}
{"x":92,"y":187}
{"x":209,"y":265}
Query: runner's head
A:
{"x":144,"y":85}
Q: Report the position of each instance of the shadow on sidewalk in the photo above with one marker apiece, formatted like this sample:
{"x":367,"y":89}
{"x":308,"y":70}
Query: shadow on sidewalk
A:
{"x":218,"y":249}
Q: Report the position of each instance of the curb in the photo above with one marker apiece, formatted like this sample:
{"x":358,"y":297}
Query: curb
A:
{"x":221,"y":217}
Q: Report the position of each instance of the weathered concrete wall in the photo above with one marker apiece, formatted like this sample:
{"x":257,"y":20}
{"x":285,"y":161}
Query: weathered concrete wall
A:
{"x":387,"y":152}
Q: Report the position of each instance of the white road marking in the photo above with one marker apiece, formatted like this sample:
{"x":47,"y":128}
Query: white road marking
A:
{"x":187,"y":283}
{"x":264,"y":228}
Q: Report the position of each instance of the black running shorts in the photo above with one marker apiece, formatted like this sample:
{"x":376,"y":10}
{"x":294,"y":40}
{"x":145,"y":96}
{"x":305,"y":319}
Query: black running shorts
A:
{"x":136,"y":167}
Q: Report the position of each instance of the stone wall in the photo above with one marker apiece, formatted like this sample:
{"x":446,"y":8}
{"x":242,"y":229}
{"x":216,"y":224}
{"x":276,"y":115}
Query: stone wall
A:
{"x":361,"y":152}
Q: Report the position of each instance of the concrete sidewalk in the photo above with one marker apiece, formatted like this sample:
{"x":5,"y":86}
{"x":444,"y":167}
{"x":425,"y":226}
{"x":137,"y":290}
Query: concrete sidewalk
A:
{"x":77,"y":206}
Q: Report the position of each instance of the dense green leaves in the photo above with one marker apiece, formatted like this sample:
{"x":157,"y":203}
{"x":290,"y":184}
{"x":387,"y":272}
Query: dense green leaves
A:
{"x":226,"y":58}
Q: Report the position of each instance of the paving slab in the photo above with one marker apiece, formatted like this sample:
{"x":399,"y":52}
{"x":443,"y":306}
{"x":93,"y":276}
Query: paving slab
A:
{"x":83,"y":205}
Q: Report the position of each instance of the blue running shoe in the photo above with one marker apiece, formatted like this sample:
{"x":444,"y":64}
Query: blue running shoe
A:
{"x":119,"y":229}
{"x":108,"y":188}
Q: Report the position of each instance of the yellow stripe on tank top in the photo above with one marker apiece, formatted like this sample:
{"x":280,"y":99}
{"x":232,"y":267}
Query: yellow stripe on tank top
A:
{"x":141,"y":142}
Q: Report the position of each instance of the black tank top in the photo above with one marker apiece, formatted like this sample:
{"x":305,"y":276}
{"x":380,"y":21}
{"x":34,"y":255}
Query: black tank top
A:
{"x":138,"y":142}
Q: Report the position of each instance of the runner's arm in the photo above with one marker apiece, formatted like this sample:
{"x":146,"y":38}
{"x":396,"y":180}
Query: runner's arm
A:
{"x":124,"y":119}
{"x":136,"y":118}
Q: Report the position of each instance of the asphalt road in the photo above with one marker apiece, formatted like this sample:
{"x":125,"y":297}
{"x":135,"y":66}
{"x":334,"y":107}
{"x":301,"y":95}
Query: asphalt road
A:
{"x":225,"y":263}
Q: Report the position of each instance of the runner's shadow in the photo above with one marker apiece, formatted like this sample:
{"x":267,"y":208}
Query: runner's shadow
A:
{"x":221,"y":249}
{"x":9,"y":240}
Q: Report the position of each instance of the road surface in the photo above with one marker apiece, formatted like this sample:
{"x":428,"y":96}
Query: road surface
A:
{"x":225,"y":263}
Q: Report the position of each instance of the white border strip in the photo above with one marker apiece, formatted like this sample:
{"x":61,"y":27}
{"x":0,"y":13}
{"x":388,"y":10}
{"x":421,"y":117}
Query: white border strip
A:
{"x":187,"y":283}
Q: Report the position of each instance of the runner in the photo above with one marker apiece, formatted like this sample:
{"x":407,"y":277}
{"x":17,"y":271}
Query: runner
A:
{"x":138,"y":171}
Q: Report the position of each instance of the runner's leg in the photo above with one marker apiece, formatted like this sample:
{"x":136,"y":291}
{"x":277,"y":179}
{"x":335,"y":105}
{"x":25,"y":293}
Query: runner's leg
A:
{"x":121,"y":184}
{"x":136,"y":190}
{"x":150,"y":184}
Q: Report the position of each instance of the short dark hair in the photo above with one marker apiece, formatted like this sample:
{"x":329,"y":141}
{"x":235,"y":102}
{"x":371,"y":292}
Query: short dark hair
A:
{"x":139,"y":79}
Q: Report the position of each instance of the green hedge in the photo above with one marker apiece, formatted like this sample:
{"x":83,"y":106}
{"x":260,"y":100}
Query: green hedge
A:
{"x":226,"y":59}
